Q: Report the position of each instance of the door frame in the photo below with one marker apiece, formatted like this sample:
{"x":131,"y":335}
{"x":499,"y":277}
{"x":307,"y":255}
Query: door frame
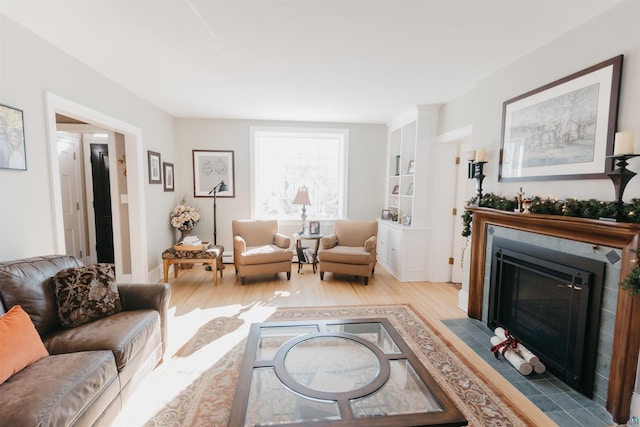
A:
{"x":135,"y":180}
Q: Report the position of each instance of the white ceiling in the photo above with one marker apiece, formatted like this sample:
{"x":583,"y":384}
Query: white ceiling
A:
{"x":363,"y":61}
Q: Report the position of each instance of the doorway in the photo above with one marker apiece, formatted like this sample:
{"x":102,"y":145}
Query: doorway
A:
{"x":135,"y":247}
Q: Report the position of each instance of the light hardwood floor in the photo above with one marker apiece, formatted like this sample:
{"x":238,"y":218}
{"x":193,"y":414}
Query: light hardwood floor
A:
{"x":193,"y":291}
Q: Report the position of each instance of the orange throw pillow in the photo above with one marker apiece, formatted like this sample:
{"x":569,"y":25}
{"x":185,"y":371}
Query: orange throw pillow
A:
{"x":20,"y":343}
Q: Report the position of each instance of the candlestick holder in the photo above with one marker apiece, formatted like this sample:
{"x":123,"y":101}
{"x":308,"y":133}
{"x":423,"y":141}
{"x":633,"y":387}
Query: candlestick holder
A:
{"x":620,"y":178}
{"x":476,"y":172}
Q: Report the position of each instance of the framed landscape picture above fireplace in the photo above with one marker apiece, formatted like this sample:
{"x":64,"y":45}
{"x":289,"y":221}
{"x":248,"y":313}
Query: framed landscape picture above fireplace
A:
{"x":563,"y":130}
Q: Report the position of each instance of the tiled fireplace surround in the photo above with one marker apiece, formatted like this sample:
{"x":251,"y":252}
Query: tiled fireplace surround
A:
{"x":610,"y":242}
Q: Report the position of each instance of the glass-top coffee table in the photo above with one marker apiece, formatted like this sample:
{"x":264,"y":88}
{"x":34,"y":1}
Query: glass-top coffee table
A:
{"x":338,"y":372}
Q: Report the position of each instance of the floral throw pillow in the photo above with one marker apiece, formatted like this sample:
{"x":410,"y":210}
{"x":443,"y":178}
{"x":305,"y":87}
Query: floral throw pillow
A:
{"x":86,"y":293}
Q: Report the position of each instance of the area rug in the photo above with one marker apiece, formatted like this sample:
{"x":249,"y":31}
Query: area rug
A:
{"x":206,"y":400}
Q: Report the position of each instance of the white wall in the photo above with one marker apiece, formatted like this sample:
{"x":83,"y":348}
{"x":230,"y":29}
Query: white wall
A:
{"x":30,"y":67}
{"x":367,"y":162}
{"x":613,"y":33}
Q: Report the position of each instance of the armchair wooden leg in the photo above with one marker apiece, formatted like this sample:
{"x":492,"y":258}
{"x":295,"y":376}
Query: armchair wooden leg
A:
{"x":288,"y":275}
{"x":366,"y":281}
{"x":322,"y":275}
{"x":243,"y":280}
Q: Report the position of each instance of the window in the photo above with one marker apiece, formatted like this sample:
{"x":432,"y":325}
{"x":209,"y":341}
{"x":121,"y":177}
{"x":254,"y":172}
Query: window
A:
{"x":284,"y":159}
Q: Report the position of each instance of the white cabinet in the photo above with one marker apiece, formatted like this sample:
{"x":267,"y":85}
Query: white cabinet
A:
{"x":404,"y":247}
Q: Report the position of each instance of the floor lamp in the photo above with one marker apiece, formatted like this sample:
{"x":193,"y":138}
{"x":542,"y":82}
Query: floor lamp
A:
{"x":221,"y":186}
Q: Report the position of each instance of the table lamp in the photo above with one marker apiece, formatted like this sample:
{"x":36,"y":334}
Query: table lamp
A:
{"x":302,"y":198}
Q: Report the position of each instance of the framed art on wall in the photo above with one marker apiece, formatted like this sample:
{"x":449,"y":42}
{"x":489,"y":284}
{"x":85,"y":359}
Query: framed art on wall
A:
{"x":155,"y":175}
{"x":563,"y":130}
{"x":167,"y":174}
{"x":210,"y":167}
{"x":12,"y":148}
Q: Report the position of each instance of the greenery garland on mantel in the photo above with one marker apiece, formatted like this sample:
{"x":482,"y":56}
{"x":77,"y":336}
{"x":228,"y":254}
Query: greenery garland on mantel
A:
{"x":592,"y":208}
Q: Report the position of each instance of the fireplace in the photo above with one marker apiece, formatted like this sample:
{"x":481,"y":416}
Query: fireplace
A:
{"x":625,"y":342}
{"x":551,"y":301}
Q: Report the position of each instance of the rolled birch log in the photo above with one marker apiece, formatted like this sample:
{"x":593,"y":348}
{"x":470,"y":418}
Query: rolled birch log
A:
{"x":539,"y":368}
{"x":514,"y":358}
{"x":524,"y":351}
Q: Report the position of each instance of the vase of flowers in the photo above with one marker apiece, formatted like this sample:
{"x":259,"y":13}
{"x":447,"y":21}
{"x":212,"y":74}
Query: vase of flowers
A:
{"x":184,"y":217}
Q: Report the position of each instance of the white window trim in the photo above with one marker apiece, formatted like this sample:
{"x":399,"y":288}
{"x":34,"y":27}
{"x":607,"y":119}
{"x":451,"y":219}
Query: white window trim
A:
{"x":317,"y":132}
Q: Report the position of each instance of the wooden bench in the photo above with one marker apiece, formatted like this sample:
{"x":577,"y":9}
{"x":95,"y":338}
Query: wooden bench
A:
{"x":206,"y":254}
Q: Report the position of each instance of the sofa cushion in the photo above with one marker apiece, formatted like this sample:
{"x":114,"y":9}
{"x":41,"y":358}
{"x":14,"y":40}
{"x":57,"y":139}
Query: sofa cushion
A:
{"x":124,"y":333}
{"x":57,"y":390}
{"x":266,"y":254}
{"x":20,"y":344}
{"x":29,"y":283}
{"x":86,"y":293}
{"x":345,"y":255}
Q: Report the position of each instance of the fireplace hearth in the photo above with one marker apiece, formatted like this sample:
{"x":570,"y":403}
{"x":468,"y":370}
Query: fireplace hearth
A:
{"x":551,"y":301}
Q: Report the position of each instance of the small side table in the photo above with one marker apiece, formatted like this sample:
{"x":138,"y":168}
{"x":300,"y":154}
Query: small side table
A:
{"x":209,"y":254}
{"x":299,"y":238}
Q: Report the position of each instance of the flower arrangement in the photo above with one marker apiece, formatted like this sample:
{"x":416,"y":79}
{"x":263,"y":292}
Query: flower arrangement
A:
{"x":184,"y":217}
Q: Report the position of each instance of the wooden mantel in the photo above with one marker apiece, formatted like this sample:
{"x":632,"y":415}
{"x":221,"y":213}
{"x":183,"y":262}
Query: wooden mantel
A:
{"x":624,"y":236}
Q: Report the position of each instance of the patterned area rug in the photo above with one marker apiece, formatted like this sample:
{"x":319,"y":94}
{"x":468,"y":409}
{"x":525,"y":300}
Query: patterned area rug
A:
{"x":205,"y":398}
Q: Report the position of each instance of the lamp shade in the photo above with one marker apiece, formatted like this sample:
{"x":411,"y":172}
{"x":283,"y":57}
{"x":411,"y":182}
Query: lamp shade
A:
{"x":223,"y":186}
{"x":302,"y":197}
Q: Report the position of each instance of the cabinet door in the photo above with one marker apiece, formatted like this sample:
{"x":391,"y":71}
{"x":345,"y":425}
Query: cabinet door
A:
{"x":395,"y":251}
{"x":383,"y":245}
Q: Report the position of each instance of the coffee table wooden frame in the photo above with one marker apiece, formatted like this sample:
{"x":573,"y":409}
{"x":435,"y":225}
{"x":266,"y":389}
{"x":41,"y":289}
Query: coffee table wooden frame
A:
{"x":449,"y":416}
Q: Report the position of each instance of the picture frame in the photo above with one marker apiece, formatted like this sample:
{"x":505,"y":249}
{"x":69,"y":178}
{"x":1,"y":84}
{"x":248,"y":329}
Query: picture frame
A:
{"x":412,"y":167}
{"x":386,"y":215}
{"x":155,"y":171}
{"x":406,"y":221}
{"x":562,"y":130}
{"x":396,"y":189}
{"x":168,"y":176}
{"x":13,"y":153}
{"x":210,"y":167}
{"x":314,"y":227}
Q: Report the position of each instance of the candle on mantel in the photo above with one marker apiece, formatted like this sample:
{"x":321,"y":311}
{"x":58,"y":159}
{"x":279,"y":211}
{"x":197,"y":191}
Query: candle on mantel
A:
{"x":481,"y":155}
{"x":623,"y":144}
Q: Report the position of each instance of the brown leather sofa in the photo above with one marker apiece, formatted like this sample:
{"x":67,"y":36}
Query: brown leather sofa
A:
{"x":92,"y":368}
{"x":258,"y":248}
{"x":350,"y":249}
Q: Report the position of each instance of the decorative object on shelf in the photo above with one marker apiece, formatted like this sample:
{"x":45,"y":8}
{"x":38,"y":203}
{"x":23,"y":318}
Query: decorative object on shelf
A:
{"x":519,"y":200}
{"x":476,"y":172}
{"x":211,"y":167}
{"x":219,"y":187}
{"x":410,"y":190}
{"x":167,"y":172}
{"x":396,"y":189}
{"x":386,"y":214}
{"x":302,"y":198}
{"x":412,"y":167}
{"x":397,"y":165}
{"x":153,"y":160}
{"x":183,"y":218}
{"x":12,"y":147}
{"x":539,"y":144}
{"x":526,"y":206}
{"x":623,"y":151}
{"x":406,"y":220}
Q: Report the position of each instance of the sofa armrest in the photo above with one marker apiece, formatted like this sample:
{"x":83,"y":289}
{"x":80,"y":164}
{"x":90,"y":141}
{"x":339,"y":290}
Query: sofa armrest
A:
{"x":155,"y":296}
{"x":329,"y":241}
{"x":282,"y":241}
{"x":370,"y":244}
{"x":239,"y":244}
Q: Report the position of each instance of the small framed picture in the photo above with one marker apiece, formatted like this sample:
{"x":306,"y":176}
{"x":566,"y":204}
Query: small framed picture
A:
{"x":12,"y":149}
{"x":410,"y":190}
{"x":153,"y":159}
{"x":314,"y":227}
{"x":396,"y":189}
{"x":407,"y":220}
{"x":386,"y":214}
{"x":412,"y":167}
{"x":167,"y":173}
